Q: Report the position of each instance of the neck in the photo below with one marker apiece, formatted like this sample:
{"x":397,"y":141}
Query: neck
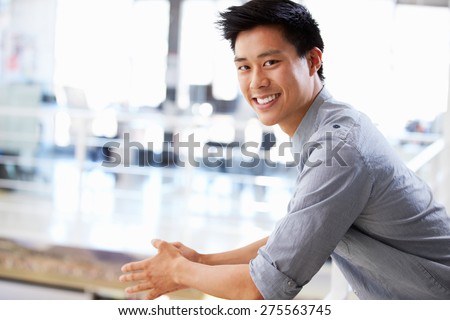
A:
{"x":290,"y":129}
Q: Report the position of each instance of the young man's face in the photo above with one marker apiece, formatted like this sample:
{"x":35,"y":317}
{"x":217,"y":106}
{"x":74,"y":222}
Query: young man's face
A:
{"x":278,"y":84}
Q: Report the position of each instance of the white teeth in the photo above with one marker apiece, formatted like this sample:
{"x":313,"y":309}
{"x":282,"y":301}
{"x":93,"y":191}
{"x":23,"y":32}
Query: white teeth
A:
{"x":267,"y":99}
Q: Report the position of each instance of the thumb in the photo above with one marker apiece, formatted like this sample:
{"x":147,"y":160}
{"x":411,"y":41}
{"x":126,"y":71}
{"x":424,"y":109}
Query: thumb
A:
{"x":156,"y":243}
{"x":177,"y":245}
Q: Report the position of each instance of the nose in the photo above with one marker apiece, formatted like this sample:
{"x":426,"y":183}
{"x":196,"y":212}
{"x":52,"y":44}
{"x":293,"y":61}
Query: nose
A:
{"x":259,"y":80}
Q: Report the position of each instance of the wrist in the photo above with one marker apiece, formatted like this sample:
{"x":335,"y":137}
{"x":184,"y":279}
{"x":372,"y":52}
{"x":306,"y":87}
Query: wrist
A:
{"x":179,"y":267}
{"x":202,"y":258}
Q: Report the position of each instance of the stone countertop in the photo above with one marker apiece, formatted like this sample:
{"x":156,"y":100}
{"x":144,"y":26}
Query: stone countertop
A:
{"x":82,"y":269}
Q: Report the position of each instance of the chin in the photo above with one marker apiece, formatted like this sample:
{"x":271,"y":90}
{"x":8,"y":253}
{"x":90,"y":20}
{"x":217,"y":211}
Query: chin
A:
{"x":267,"y":121}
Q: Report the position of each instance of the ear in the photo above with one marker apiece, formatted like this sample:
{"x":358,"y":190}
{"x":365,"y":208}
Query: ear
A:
{"x":314,"y":57}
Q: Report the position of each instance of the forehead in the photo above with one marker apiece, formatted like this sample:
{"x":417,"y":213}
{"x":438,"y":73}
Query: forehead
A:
{"x":250,"y":43}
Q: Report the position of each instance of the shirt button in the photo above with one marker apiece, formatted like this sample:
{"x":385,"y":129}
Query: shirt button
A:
{"x":291,"y":283}
{"x":336,"y":126}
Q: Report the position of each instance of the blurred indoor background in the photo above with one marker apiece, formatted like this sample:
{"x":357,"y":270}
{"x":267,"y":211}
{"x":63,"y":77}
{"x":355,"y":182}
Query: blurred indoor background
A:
{"x":87,"y":82}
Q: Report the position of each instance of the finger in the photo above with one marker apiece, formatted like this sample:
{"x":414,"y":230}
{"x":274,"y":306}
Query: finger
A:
{"x":177,"y":245}
{"x":133,"y":266}
{"x":161,"y":245}
{"x":137,"y":276}
{"x":139,"y":287}
{"x":156,"y":243}
{"x":153,"y":294}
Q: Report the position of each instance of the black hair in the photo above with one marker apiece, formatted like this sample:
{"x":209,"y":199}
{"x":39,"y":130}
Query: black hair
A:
{"x":297,"y":25}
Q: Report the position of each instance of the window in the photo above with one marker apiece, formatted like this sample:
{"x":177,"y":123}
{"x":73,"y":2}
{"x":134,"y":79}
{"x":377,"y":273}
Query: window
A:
{"x":205,"y":59}
{"x":115,"y":50}
{"x":388,"y":60}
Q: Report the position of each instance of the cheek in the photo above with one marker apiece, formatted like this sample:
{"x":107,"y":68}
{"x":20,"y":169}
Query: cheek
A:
{"x":295,"y":85}
{"x":243,"y":85}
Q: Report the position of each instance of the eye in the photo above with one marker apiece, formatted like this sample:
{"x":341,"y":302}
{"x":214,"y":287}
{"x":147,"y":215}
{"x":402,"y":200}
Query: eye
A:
{"x":243,"y":68}
{"x":269,"y":63}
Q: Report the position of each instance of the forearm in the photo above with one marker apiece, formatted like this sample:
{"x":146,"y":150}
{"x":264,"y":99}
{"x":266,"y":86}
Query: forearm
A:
{"x":223,"y":281}
{"x":170,"y":270}
{"x":239,"y":256}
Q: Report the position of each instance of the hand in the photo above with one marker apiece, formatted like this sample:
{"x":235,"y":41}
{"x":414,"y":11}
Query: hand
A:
{"x":158,"y":273}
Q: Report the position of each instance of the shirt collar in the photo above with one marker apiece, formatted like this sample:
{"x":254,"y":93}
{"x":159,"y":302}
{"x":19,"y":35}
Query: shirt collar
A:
{"x":306,"y":126}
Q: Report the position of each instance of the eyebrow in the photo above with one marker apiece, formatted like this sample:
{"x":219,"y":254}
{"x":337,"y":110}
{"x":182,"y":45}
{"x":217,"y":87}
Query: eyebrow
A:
{"x":261,"y":55}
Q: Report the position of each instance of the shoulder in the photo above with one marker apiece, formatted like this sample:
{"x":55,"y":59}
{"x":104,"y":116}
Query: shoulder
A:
{"x":341,"y":136}
{"x":338,"y":117}
{"x":340,"y":121}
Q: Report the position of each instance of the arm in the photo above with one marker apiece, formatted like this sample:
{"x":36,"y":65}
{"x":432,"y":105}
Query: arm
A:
{"x":330,"y":196}
{"x":169,"y":270}
{"x":223,"y":281}
{"x":239,"y":256}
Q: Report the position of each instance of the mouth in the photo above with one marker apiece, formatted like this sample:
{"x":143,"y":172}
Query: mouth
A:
{"x":266,"y":101}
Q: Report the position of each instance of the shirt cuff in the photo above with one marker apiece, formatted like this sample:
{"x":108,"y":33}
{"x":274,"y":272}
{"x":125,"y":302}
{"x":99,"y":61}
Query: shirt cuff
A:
{"x":271,"y":283}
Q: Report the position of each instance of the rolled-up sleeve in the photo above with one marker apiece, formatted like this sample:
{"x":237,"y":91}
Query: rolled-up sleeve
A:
{"x":327,"y":201}
{"x":271,"y":283}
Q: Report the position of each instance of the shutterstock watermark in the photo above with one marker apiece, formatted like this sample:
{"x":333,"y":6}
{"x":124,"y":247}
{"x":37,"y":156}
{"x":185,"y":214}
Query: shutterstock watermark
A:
{"x":190,"y":152}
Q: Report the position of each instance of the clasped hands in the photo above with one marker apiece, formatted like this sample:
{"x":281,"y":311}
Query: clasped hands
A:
{"x":158,"y":274}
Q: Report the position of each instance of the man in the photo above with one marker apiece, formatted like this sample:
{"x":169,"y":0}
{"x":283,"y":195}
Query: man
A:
{"x":354,"y":200}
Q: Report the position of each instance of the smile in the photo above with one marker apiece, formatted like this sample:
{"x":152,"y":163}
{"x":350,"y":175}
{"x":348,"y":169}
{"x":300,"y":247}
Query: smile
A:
{"x":267,"y":99}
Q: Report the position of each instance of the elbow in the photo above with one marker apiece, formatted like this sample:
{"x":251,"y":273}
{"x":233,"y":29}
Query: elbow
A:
{"x":257,"y":296}
{"x":251,"y":293}
{"x":255,"y":293}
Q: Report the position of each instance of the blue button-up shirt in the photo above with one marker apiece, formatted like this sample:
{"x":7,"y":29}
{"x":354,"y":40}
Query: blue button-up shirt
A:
{"x":357,"y":202}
